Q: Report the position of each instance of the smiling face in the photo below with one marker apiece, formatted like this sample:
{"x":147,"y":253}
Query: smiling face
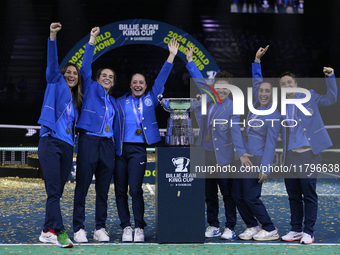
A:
{"x":288,"y":82}
{"x":265,"y":94}
{"x":138,"y":85}
{"x":222,"y":92}
{"x":71,"y":76}
{"x":106,"y":79}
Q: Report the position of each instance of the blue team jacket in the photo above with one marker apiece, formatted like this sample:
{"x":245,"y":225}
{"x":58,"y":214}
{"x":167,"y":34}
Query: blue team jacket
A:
{"x":262,"y":140}
{"x":57,"y":94}
{"x":224,"y":136}
{"x":312,"y":126}
{"x":150,"y":101}
{"x":92,"y":116}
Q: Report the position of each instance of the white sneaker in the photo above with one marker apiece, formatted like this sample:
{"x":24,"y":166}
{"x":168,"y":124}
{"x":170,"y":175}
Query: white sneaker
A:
{"x":264,"y":235}
{"x":228,"y":234}
{"x":127,"y":234}
{"x":139,"y":235}
{"x":306,"y":239}
{"x":101,"y":235}
{"x":48,"y":237}
{"x":292,"y":236}
{"x":212,"y":232}
{"x":80,"y":236}
{"x":249,"y":233}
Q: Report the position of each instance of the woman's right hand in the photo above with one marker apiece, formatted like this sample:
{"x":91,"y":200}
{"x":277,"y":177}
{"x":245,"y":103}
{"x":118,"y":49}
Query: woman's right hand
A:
{"x":259,"y":54}
{"x":94,"y":32}
{"x":55,"y":27}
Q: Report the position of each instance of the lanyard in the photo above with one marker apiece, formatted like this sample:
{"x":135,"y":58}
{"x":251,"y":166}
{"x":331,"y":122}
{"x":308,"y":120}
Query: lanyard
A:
{"x":68,"y":114}
{"x":290,"y":119}
{"x":138,"y":116}
{"x":211,"y":112}
{"x":107,"y":117}
{"x":252,"y":117}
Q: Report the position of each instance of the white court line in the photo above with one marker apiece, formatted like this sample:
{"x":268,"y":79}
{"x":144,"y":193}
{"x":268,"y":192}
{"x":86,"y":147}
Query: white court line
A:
{"x":332,"y":126}
{"x":286,"y":195}
{"x":334,"y":175}
{"x":20,"y":126}
{"x":174,"y":244}
{"x":266,"y":194}
{"x":282,"y":243}
{"x":328,"y":195}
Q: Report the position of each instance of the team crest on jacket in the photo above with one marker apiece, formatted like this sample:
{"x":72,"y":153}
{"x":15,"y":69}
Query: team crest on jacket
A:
{"x":256,"y":125}
{"x":147,"y":101}
{"x":223,"y":127}
{"x":310,"y":110}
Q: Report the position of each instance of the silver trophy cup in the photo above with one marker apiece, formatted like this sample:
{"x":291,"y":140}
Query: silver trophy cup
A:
{"x":179,"y":130}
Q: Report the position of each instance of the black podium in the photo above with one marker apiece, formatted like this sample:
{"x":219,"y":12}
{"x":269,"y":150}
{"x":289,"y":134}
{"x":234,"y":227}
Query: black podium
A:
{"x":180,"y":196}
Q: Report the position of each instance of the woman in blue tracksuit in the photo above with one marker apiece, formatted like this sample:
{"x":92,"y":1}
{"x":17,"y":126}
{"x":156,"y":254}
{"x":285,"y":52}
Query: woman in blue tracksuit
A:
{"x":59,"y":113}
{"x":99,"y":131}
{"x":302,"y":147}
{"x":219,"y":143}
{"x":260,"y":138}
{"x":138,"y":128}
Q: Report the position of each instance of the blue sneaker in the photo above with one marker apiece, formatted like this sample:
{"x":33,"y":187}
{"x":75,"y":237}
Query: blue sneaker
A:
{"x":212,"y":232}
{"x":228,"y":234}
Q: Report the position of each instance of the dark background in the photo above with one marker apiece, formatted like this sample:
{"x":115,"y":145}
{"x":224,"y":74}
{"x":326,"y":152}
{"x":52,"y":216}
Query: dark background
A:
{"x":301,"y":43}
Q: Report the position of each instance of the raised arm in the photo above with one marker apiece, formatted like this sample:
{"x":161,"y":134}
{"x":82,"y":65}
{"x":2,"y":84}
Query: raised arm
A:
{"x":260,"y":52}
{"x":256,"y":70}
{"x":191,"y":66}
{"x":85,"y":69}
{"x":52,"y":69}
{"x":54,"y":29}
{"x":158,"y":87}
{"x":94,"y":32}
{"x":332,"y":90}
{"x":193,"y":70}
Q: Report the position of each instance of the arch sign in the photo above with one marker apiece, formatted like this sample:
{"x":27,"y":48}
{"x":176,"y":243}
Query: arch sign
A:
{"x":144,"y":31}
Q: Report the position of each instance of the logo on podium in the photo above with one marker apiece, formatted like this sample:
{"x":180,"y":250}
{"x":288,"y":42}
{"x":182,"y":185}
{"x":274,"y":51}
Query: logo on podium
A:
{"x":181,"y":164}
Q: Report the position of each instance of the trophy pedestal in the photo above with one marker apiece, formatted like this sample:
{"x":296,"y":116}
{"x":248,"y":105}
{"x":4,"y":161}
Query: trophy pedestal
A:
{"x":180,"y":196}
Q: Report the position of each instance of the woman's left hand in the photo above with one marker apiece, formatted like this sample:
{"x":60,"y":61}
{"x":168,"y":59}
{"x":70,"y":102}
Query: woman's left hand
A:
{"x":262,"y":177}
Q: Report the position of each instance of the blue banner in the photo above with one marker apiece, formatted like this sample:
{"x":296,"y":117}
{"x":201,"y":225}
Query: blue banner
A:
{"x":143,"y":31}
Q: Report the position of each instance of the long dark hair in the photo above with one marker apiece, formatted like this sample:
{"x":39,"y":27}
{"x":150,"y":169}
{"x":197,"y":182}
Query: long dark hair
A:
{"x":76,"y":90}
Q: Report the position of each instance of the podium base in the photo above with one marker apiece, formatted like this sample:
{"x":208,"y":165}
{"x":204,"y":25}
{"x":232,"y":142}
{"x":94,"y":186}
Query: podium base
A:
{"x":180,"y":196}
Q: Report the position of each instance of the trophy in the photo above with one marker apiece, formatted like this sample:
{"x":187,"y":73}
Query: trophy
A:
{"x":179,"y":129}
